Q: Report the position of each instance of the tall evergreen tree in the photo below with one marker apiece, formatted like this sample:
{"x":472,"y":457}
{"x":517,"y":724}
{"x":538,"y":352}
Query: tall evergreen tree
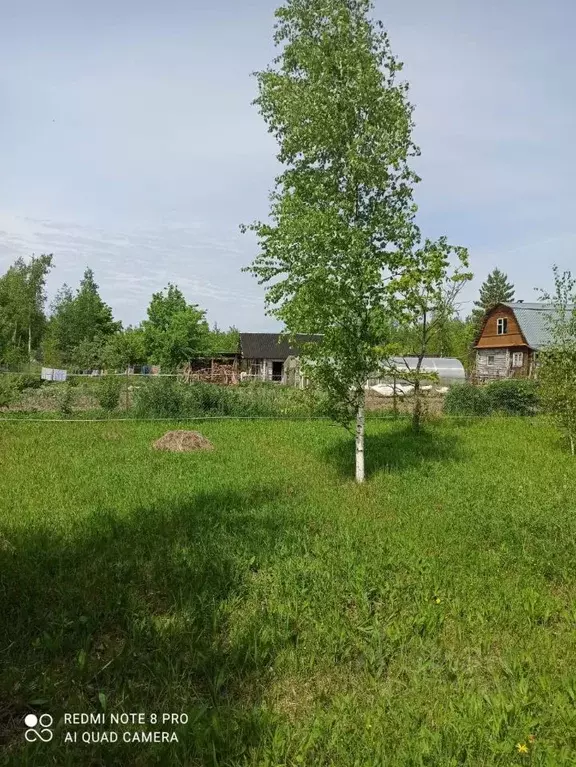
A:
{"x":93,"y":317}
{"x":496,"y":289}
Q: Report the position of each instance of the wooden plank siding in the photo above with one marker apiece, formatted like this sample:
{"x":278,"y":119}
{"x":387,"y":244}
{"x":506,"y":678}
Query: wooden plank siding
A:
{"x":492,"y":363}
{"x":489,"y":338}
{"x":498,"y":363}
{"x":495,"y":352}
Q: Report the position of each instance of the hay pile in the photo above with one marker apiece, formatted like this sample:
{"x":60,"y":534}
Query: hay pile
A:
{"x":182,"y":442}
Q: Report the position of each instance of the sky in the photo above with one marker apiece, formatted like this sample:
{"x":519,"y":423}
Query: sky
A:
{"x":128,"y":142}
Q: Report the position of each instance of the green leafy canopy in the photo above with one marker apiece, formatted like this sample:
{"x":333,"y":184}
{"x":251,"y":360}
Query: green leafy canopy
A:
{"x":175,"y":331}
{"x":341,"y":253}
{"x":79,"y":326}
{"x":557,"y":360}
{"x":22,"y":299}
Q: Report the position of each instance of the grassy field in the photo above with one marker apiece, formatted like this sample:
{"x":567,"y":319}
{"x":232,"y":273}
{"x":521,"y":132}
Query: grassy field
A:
{"x":427,"y":618}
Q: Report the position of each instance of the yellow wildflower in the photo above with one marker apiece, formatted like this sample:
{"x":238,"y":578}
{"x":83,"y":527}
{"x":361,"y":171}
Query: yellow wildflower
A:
{"x":522,"y":748}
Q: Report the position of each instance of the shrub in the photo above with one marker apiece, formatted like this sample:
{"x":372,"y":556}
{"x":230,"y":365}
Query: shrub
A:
{"x":466,"y":399}
{"x":513,"y":396}
{"x":27,"y":381}
{"x":8,"y":392}
{"x":205,"y":398}
{"x":108,"y":393}
{"x":160,"y":398}
{"x":65,"y":400}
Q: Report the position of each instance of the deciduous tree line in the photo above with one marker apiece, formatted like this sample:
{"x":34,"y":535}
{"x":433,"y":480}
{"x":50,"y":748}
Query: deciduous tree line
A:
{"x":79,"y":330}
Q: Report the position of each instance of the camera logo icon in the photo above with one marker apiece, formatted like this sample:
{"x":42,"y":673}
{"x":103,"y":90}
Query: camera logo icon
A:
{"x":38,"y":728}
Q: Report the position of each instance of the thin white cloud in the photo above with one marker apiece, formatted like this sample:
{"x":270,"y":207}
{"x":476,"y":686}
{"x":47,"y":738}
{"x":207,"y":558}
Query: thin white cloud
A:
{"x":129,"y":143}
{"x":130,"y":266}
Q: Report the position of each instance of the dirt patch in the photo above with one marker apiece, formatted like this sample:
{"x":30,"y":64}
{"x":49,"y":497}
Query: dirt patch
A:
{"x":182,"y":442}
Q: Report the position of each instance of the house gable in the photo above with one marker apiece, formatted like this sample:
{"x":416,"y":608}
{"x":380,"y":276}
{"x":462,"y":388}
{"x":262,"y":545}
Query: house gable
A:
{"x":490,"y":338}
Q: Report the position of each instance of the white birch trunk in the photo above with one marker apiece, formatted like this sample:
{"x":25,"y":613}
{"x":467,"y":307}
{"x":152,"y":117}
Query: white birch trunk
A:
{"x":360,"y":442}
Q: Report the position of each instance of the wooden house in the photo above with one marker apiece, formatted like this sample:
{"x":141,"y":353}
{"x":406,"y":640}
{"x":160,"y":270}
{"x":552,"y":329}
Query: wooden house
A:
{"x":267,"y":357}
{"x":509,"y":340}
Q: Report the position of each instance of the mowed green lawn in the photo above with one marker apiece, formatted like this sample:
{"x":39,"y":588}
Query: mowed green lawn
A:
{"x":427,"y":618}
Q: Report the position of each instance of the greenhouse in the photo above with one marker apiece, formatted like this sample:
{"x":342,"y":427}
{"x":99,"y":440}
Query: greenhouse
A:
{"x":447,"y":369}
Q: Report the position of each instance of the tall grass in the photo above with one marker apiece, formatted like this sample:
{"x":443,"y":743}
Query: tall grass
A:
{"x":170,"y":398}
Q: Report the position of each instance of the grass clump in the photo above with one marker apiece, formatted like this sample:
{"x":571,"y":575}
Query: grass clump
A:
{"x":159,"y":398}
{"x":168,"y":397}
{"x":108,"y":393}
{"x":65,"y":400}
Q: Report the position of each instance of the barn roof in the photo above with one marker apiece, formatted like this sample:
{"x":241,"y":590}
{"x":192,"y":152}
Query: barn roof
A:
{"x":271,"y":346}
{"x":533,"y":320}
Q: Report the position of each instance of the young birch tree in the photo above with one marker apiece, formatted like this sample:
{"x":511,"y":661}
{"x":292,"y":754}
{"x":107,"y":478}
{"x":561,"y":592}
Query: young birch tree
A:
{"x":430,"y":306}
{"x":340,"y":252}
{"x":557,"y":361}
{"x":22,"y":299}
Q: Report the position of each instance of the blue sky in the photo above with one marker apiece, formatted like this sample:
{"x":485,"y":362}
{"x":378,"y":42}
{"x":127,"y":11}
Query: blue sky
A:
{"x":128,"y":142}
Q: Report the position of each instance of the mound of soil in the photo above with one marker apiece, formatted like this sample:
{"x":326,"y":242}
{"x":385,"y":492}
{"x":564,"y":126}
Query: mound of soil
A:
{"x":182,"y":442}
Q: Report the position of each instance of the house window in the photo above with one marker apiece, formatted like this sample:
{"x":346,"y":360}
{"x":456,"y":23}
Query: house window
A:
{"x":490,"y":359}
{"x":502,"y":325}
{"x":517,"y":359}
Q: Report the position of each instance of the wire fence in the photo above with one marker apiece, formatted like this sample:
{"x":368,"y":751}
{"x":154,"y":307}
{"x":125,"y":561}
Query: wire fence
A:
{"x":181,"y":419}
{"x":535,"y":420}
{"x":95,"y":375}
{"x":47,"y":405}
